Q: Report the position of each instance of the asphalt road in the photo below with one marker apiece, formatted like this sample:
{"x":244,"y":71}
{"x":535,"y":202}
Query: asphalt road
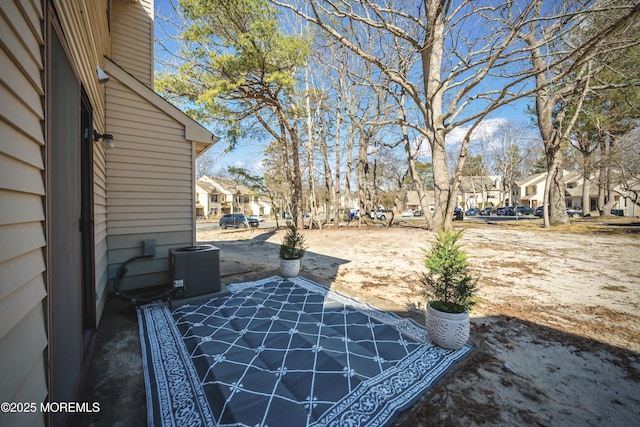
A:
{"x":203,"y":226}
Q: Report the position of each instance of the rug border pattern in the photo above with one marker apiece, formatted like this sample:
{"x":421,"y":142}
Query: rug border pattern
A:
{"x":181,"y":400}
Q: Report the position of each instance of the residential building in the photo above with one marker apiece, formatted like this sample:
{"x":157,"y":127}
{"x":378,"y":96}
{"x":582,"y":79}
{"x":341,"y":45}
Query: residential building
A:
{"x":531,"y":193}
{"x":412,"y":201}
{"x":480,"y":191}
{"x":74,"y":207}
{"x":220,"y":196}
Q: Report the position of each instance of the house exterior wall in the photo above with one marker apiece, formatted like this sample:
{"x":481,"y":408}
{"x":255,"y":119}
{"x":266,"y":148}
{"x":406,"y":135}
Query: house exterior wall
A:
{"x":149,"y":186}
{"x":144,"y":187}
{"x":23,"y":201}
{"x":23,"y":294}
{"x":132,"y":38}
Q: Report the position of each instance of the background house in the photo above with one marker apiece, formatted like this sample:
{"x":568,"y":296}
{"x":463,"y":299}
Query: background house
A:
{"x":480,"y":191}
{"x":71,"y":209}
{"x":531,"y":193}
{"x":412,"y":201}
{"x":220,"y":196}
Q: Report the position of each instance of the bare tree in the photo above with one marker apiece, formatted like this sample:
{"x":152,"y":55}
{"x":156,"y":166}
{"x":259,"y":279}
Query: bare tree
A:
{"x":451,"y":72}
{"x":471,"y":60}
{"x":565,"y":57}
{"x":508,"y":151}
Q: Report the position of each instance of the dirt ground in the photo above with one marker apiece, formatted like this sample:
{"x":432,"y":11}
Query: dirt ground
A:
{"x":557,"y":322}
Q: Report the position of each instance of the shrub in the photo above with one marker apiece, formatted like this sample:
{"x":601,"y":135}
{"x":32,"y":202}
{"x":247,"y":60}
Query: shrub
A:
{"x":447,"y":284}
{"x":293,"y":245}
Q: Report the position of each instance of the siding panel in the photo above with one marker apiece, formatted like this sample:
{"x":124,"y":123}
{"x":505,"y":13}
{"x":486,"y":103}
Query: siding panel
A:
{"x":30,"y":62}
{"x":22,"y":290}
{"x":18,"y":176}
{"x":22,"y":301}
{"x":19,"y":270}
{"x":22,"y":348}
{"x":132,"y":32}
{"x":19,"y":115}
{"x":27,"y":151}
{"x":149,"y":186}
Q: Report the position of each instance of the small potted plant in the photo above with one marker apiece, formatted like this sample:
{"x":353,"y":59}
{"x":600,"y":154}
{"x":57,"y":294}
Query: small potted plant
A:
{"x":291,"y":251}
{"x":449,"y":289}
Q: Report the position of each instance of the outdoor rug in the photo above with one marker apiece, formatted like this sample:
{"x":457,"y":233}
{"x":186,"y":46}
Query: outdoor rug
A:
{"x":284,"y":352}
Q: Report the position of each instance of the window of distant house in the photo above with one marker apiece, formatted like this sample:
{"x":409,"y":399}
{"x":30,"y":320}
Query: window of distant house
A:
{"x":214,"y":198}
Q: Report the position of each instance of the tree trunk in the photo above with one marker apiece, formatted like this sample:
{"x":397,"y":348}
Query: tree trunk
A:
{"x":310,"y":148}
{"x":337,"y":195}
{"x":363,"y":171}
{"x":328,"y":180}
{"x":431,"y":67}
{"x":411,"y":161}
{"x":586,"y":187}
{"x":296,"y":174}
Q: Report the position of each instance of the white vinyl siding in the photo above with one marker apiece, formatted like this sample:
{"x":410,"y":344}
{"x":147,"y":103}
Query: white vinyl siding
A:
{"x":22,"y":268}
{"x":149,"y":186}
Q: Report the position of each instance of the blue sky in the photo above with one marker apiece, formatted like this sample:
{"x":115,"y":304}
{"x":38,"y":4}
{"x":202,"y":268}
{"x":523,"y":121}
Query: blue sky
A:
{"x":248,"y":154}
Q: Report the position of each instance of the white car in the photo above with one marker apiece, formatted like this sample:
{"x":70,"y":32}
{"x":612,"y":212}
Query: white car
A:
{"x":407,"y":213}
{"x":258,"y":217}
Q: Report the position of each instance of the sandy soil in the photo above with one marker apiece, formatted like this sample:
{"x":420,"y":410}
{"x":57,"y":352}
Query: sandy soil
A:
{"x":558,"y":323}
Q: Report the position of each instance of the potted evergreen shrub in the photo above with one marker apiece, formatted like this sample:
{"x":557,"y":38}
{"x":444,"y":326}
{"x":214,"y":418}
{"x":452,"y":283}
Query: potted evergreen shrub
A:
{"x":291,"y":251}
{"x":450,"y":291}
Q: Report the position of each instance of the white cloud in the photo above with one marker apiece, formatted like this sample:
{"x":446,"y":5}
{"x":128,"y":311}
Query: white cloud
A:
{"x":485,"y":130}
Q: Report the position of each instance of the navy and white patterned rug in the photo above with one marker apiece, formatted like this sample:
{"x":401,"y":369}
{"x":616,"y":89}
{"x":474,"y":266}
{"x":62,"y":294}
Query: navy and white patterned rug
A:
{"x":284,"y":352}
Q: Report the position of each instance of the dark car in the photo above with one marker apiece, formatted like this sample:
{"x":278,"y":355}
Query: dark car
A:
{"x":574,"y":213}
{"x":236,"y":220}
{"x":458,"y":214}
{"x":488,"y":211}
{"x":538,"y":212}
{"x":521,"y":210}
{"x":505,"y":210}
{"x":472,"y":212}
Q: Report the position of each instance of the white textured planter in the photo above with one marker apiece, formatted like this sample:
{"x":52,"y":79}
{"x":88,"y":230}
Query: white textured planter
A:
{"x":289,"y":267}
{"x":447,"y":330}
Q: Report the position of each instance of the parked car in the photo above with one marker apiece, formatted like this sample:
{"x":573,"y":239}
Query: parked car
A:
{"x":354,"y":214}
{"x":458,"y":214}
{"x":472,"y":212}
{"x":417,"y":212}
{"x":407,"y":212}
{"x":574,"y":213}
{"x":260,"y":218}
{"x":379,"y":214}
{"x":488,"y":211}
{"x":504,"y":210}
{"x":538,"y":212}
{"x":236,"y":220}
{"x":521,"y":210}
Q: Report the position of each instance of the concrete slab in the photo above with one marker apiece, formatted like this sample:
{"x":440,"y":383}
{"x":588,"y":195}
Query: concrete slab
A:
{"x":232,"y":268}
